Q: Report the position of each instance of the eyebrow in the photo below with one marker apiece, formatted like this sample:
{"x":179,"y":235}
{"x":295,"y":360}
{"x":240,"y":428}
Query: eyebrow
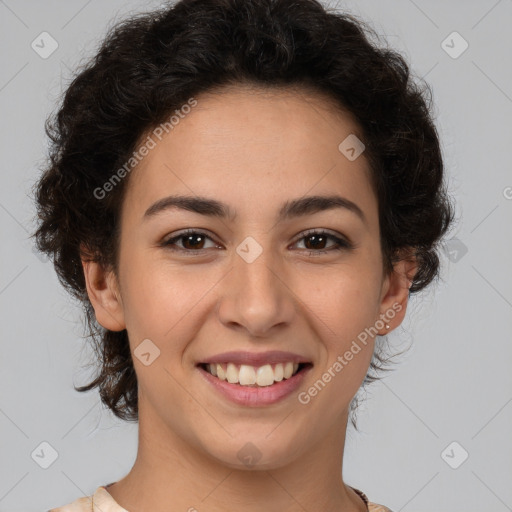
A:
{"x":290,"y":209}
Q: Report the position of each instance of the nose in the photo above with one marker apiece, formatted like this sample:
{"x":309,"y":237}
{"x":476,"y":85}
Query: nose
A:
{"x":256,"y":296}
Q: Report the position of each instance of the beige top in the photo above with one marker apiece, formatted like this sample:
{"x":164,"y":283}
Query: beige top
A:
{"x":102,"y":501}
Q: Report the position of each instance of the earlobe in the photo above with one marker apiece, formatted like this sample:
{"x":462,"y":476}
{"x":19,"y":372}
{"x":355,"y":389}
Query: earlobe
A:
{"x":104,"y":295}
{"x":396,"y":293}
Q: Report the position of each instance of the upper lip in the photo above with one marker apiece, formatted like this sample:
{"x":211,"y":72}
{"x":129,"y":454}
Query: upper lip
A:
{"x":255,"y":358}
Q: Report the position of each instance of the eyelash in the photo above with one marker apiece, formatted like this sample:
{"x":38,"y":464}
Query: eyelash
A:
{"x":340,"y":244}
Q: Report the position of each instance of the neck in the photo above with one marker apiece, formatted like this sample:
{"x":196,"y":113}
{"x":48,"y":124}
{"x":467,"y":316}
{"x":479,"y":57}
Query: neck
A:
{"x":171,"y":475}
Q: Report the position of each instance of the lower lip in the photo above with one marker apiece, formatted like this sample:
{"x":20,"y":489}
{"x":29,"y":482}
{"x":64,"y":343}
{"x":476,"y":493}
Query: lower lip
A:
{"x":256,"y":396}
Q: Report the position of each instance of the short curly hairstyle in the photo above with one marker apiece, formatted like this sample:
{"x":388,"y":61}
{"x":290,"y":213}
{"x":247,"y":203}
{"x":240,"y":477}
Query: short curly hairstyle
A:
{"x":151,"y":63}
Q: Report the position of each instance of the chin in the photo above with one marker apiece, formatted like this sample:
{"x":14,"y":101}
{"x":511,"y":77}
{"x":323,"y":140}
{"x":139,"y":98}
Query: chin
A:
{"x":254,"y":453}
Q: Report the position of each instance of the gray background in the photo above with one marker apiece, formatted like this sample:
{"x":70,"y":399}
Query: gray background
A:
{"x":455,"y":382}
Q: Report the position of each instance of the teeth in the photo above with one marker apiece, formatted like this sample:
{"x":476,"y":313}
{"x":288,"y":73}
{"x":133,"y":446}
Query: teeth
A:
{"x":279,"y":372}
{"x":288,"y":370}
{"x":232,"y":374}
{"x":246,"y":375}
{"x":265,"y":375}
{"x":221,"y":374}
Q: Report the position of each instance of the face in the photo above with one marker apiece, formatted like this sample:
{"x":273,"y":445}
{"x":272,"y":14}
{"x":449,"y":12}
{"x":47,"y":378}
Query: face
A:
{"x":275,"y":273}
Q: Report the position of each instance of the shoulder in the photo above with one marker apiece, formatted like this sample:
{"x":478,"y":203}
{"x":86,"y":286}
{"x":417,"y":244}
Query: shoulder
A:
{"x":83,"y":504}
{"x":375,"y":507}
{"x":100,"y":501}
{"x":372,"y":507}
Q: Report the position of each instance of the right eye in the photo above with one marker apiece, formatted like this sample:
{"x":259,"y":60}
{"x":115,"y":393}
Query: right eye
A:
{"x":191,"y":242}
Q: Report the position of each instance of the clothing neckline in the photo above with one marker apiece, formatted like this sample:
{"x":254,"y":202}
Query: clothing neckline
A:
{"x":105,"y":496}
{"x":362,"y":495}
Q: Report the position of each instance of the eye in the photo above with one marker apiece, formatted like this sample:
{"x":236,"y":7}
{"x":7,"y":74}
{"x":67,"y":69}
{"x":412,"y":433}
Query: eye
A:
{"x":193,"y":242}
{"x":316,"y":239}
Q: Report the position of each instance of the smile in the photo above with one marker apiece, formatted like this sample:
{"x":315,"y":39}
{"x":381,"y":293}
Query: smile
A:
{"x":254,"y":386}
{"x":247,"y":375}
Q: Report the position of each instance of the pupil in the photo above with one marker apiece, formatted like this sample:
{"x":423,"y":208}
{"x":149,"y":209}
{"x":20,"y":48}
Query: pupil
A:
{"x":188,"y":238}
{"x":315,"y":245}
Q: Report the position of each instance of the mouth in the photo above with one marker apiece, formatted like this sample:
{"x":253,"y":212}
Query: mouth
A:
{"x":254,"y":376}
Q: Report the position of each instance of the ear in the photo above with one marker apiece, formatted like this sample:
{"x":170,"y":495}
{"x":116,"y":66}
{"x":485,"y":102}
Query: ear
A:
{"x":395,"y":291}
{"x":103,"y":292}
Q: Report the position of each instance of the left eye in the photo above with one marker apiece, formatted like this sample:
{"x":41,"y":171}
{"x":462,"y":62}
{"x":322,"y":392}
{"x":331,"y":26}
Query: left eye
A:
{"x":320,"y":237}
{"x":193,"y":241}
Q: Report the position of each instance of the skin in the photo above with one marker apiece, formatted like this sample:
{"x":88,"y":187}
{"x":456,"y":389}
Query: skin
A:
{"x":252,"y":149}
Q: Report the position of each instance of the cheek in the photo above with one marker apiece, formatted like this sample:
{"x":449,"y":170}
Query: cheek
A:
{"x":164,"y":302}
{"x":341,"y":310}
{"x":155,"y":296}
{"x":344,"y":296}
{"x":343,"y":304}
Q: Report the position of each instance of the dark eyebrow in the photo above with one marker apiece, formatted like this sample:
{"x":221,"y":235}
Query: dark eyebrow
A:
{"x":296,"y":208}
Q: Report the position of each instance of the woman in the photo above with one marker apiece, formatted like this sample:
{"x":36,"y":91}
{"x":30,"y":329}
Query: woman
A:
{"x":242,"y":194}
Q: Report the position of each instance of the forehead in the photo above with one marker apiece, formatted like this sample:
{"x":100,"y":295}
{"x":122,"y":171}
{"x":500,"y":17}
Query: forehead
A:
{"x":252,"y":147}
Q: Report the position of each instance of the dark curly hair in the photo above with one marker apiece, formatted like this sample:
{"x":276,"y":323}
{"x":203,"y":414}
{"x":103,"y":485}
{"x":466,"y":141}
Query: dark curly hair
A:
{"x":151,"y":63}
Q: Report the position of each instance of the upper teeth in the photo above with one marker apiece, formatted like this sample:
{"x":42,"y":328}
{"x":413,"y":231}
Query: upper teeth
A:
{"x":246,"y":375}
